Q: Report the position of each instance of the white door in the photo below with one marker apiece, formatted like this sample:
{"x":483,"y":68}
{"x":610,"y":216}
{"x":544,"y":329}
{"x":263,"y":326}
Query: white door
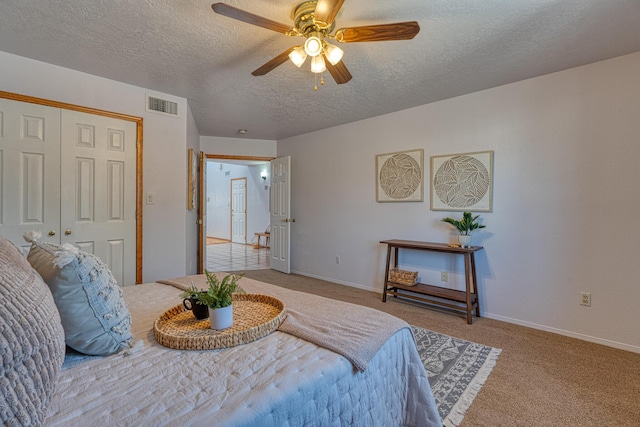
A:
{"x":98,"y":189}
{"x":280,"y":214}
{"x":71,"y":176}
{"x":239,"y":210}
{"x":29,"y":171}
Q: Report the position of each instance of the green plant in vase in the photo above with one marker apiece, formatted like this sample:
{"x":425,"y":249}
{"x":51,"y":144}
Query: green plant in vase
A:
{"x":220,"y":292}
{"x":219,"y":298}
{"x":465,"y":226}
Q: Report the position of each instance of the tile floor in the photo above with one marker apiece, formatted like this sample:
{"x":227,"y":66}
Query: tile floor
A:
{"x":235,"y":256}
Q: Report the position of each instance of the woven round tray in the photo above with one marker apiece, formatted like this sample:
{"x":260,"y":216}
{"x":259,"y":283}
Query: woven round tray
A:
{"x":254,"y":316}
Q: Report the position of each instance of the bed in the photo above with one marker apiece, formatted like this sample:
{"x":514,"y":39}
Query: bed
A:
{"x":277,"y":380}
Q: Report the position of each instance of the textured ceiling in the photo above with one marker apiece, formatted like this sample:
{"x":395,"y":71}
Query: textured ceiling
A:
{"x":183,"y":48}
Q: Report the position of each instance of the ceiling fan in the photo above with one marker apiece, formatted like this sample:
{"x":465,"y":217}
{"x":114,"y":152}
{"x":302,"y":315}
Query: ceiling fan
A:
{"x":314,"y":20}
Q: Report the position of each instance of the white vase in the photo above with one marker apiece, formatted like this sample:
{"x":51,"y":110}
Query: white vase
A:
{"x":465,"y":240}
{"x":221,"y":318}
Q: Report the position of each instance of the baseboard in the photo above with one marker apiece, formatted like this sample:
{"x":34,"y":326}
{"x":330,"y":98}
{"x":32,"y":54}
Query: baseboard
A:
{"x":333,"y":280}
{"x":583,"y":337}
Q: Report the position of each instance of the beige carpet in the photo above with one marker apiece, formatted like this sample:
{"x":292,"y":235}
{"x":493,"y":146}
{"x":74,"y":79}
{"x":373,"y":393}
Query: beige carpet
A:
{"x":541,"y":379}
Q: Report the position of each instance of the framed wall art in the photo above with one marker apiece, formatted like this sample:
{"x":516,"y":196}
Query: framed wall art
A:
{"x":192,"y":179}
{"x":399,"y":176}
{"x":462,"y":182}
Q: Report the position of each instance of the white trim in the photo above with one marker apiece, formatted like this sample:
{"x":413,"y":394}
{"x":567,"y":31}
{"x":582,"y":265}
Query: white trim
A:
{"x":582,"y":337}
{"x":340,"y":282}
{"x":589,"y":338}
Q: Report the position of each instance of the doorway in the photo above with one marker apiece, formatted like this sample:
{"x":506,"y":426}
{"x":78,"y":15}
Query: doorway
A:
{"x":231,"y":242}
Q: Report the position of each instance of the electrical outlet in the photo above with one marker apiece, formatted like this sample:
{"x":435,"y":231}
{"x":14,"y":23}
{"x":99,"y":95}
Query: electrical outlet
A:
{"x":585,"y":299}
{"x":338,"y":259}
{"x":444,"y":276}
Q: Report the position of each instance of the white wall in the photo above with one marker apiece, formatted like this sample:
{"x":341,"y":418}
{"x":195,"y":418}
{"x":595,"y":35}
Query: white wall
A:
{"x":219,"y":194}
{"x":566,"y":199}
{"x":238,"y":146}
{"x":164,"y":149}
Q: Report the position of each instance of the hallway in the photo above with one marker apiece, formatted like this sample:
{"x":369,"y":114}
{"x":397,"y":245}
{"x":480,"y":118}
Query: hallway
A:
{"x":236,"y":256}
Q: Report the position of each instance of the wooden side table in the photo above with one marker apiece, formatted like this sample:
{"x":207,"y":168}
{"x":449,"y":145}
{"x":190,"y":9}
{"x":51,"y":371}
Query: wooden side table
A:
{"x":465,"y":301}
{"x":266,"y":239}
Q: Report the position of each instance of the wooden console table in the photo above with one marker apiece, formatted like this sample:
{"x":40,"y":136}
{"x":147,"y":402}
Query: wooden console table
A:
{"x":464,"y":301}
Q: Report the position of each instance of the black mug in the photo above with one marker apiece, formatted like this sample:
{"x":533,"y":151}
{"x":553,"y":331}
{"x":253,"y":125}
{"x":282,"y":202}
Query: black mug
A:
{"x":200,"y":311}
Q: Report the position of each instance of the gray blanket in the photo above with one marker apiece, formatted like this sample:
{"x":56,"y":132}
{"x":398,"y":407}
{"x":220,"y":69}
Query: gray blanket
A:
{"x":353,"y":331}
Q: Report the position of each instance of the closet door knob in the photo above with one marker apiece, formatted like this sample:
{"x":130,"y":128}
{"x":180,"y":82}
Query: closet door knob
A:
{"x":67,"y":231}
{"x":52,"y":233}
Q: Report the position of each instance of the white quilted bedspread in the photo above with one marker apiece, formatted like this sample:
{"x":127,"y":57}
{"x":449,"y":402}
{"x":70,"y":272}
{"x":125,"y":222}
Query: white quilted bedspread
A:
{"x":278,"y":380}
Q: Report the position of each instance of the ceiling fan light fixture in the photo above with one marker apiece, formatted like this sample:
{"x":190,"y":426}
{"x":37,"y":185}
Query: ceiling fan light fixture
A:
{"x":298,"y":56}
{"x":333,"y":53}
{"x":317,"y":64}
{"x":313,"y":45}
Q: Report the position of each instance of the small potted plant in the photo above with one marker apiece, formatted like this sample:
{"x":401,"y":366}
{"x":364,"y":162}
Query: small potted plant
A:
{"x":465,"y":226}
{"x":219,"y":299}
{"x":191,"y":301}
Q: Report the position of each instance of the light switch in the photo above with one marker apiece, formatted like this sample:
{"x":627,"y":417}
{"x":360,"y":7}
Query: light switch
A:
{"x":151,"y":198}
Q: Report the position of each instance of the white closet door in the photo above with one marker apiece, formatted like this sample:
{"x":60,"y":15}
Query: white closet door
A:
{"x":29,"y":171}
{"x":98,"y":190}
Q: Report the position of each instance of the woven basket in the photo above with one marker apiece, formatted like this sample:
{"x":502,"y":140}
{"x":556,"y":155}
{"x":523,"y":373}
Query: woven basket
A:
{"x":403,"y":277}
{"x":254,"y":316}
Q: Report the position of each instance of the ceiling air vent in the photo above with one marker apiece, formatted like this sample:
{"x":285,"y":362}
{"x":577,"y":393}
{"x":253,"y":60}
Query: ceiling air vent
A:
{"x":162,"y":106}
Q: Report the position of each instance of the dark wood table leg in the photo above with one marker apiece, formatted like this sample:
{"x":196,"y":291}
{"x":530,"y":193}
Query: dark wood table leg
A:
{"x":475,"y":283}
{"x":395,"y":265}
{"x":467,"y":273}
{"x":386,"y":274}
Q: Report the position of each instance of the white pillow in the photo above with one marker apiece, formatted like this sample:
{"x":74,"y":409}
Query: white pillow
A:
{"x":95,"y":318}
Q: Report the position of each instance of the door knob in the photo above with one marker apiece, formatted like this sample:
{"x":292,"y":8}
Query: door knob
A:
{"x":52,"y":233}
{"x":67,"y":231}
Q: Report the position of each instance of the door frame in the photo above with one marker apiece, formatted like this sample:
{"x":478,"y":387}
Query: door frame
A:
{"x":202,"y":203}
{"x":114,"y":115}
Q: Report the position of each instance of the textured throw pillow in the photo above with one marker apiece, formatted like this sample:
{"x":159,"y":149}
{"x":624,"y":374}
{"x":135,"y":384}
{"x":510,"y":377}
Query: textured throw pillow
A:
{"x":31,"y":341}
{"x":95,"y":318}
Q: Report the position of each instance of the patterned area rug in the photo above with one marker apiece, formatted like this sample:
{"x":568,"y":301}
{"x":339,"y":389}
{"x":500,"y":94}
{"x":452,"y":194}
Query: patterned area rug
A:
{"x":457,"y":369}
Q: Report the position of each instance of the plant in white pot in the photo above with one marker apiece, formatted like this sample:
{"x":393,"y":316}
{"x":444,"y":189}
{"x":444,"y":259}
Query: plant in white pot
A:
{"x":219,"y":299}
{"x":465,"y":226}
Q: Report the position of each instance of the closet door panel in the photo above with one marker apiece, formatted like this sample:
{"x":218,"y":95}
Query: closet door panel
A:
{"x":29,"y":171}
{"x":99,"y":189}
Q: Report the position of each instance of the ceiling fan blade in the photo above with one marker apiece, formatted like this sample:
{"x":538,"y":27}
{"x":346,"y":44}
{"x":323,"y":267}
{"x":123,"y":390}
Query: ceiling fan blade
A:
{"x":250,"y":18}
{"x":275,"y":62}
{"x":339,"y":72}
{"x":377,"y":33}
{"x":326,"y":10}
